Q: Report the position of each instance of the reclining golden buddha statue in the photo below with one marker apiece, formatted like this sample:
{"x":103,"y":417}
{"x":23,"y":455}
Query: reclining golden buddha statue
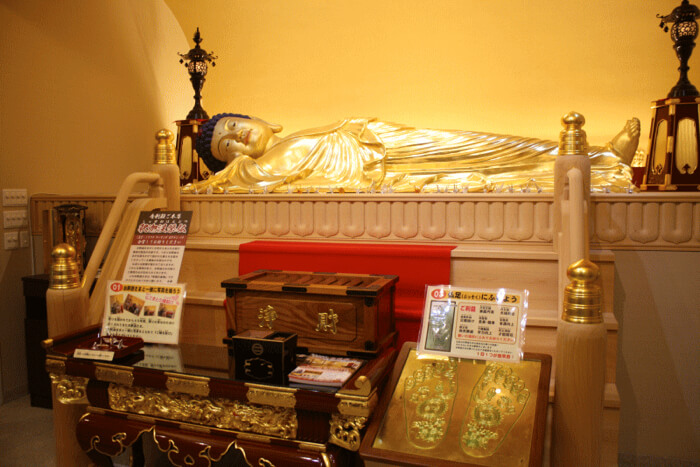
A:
{"x":364,"y":155}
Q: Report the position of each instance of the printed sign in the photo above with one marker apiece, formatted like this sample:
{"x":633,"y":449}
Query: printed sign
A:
{"x":149,"y":311}
{"x":90,"y":354}
{"x":474,"y":323}
{"x":157,"y":247}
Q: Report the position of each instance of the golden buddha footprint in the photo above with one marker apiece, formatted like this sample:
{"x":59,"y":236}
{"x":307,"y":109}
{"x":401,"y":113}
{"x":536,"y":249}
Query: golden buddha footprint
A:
{"x":428,"y":400}
{"x":497,"y":401}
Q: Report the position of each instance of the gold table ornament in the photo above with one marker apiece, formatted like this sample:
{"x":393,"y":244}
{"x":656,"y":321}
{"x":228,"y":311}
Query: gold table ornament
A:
{"x":460,"y":412}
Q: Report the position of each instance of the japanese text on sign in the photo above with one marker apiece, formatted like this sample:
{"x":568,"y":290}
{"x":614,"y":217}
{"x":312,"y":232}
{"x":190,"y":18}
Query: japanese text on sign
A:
{"x":149,"y":311}
{"x":478,"y":324}
{"x":157,"y":247}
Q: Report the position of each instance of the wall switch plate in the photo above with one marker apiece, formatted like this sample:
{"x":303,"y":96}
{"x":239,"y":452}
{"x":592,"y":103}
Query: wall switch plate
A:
{"x":14,"y":197}
{"x":14,"y":219}
{"x":11,"y":240}
{"x":24,"y":239}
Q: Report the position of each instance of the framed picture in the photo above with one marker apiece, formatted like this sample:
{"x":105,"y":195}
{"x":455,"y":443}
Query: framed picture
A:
{"x":446,"y":411}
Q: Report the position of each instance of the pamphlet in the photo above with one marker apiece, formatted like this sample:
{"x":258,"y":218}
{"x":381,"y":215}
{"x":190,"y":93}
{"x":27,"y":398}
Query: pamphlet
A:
{"x":322,"y":370}
{"x":474,"y":323}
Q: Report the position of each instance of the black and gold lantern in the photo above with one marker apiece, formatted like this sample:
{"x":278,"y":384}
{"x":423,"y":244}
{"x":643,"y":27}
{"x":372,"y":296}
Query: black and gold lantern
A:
{"x":192,"y":168}
{"x":196,"y":62}
{"x":674,"y":138}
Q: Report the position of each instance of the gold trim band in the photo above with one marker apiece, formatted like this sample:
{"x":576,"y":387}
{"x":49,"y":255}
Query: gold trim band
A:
{"x":195,"y":385}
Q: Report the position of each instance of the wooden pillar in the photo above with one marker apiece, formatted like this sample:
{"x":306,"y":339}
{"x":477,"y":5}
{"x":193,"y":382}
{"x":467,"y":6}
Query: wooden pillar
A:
{"x":66,"y":312}
{"x":580,"y":372}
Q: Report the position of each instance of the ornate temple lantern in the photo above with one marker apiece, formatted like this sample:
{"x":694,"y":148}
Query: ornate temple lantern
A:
{"x":672,"y":163}
{"x":192,"y":168}
{"x":69,"y":226}
{"x":196,"y":62}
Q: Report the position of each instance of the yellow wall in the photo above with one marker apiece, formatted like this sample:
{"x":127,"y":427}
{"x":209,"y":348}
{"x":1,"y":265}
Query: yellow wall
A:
{"x":84,"y":85}
{"x":503,"y":66}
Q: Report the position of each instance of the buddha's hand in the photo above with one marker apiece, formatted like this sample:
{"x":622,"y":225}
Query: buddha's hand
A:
{"x":216,"y":183}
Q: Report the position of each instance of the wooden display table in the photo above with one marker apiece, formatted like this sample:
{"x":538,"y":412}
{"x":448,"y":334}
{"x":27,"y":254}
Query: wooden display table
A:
{"x":184,"y":397}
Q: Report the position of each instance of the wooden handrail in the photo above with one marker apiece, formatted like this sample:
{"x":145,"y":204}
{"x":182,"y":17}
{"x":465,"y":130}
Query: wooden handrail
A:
{"x":578,"y":234}
{"x":111,"y":223}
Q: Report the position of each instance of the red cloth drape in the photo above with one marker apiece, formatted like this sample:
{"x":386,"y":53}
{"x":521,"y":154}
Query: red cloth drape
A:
{"x":416,"y":266}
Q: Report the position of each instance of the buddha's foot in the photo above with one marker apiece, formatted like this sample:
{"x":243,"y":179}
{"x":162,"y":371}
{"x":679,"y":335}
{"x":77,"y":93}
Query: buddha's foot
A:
{"x":626,"y":142}
{"x":428,"y":400}
{"x":497,"y":401}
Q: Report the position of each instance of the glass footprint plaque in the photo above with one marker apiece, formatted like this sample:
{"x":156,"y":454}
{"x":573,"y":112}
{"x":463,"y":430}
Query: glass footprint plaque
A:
{"x":447,"y":411}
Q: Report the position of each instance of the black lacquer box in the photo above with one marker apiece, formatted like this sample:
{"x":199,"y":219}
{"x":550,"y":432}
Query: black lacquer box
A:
{"x":263,"y":356}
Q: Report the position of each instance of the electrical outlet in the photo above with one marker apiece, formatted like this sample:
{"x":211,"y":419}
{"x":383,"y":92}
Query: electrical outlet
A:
{"x":24,"y":239}
{"x":14,"y":197}
{"x":15,"y":219}
{"x":11,"y":240}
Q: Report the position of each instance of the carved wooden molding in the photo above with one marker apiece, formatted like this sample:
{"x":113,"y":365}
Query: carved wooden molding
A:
{"x":636,"y":221}
{"x":640,"y":221}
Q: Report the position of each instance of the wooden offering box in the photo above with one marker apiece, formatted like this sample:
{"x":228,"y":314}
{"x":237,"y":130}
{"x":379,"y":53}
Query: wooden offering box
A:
{"x":341,"y":314}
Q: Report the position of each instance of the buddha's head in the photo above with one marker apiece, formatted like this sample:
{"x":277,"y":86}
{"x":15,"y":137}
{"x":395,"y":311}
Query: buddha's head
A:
{"x":227,"y":136}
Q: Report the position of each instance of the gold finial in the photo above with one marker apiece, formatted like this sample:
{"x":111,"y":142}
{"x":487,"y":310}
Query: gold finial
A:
{"x":582,"y":298}
{"x":165,"y":150}
{"x":65,"y":273}
{"x":572,"y":139}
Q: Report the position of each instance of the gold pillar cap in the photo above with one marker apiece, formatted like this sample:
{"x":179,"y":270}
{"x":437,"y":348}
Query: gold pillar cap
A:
{"x":572,"y":139}
{"x":65,"y":273}
{"x":165,"y":149}
{"x":583,"y":298}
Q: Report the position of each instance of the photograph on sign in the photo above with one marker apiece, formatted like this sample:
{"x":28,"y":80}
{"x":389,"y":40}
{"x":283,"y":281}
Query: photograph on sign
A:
{"x":150,"y":311}
{"x":482,"y":324}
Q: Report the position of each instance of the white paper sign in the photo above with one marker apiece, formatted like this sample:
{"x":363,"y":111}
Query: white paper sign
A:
{"x":106,"y":355}
{"x":150,"y":311}
{"x":157,"y":247}
{"x":474,"y":323}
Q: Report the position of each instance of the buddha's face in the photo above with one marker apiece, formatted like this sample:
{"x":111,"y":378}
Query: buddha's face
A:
{"x":236,"y":136}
